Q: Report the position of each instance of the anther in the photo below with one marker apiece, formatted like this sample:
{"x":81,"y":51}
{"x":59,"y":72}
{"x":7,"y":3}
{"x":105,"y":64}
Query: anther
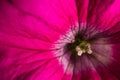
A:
{"x":89,"y":50}
{"x":79,"y":51}
{"x":86,"y":50}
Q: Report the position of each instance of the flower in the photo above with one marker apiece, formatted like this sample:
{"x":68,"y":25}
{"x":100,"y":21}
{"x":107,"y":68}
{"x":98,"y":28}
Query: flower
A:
{"x":59,"y":40}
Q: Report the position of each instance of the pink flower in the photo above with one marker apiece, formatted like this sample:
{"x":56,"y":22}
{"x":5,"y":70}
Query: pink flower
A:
{"x":59,"y":40}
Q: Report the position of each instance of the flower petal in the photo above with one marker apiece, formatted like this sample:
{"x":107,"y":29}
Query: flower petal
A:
{"x":52,"y":13}
{"x":96,"y":8}
{"x":82,"y":9}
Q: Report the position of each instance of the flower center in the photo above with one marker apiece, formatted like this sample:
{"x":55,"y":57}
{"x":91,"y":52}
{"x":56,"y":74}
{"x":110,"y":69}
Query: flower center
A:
{"x":79,"y":46}
{"x":83,"y":47}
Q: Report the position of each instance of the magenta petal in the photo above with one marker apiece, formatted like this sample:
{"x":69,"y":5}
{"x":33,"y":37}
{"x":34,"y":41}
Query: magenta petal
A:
{"x":26,"y":64}
{"x":115,"y":64}
{"x":55,"y":14}
{"x":24,"y":45}
{"x":82,"y":9}
{"x":96,"y":9}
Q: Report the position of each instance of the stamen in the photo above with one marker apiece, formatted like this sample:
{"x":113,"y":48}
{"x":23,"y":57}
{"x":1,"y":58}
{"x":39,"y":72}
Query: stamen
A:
{"x":79,"y":51}
{"x":87,"y":49}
